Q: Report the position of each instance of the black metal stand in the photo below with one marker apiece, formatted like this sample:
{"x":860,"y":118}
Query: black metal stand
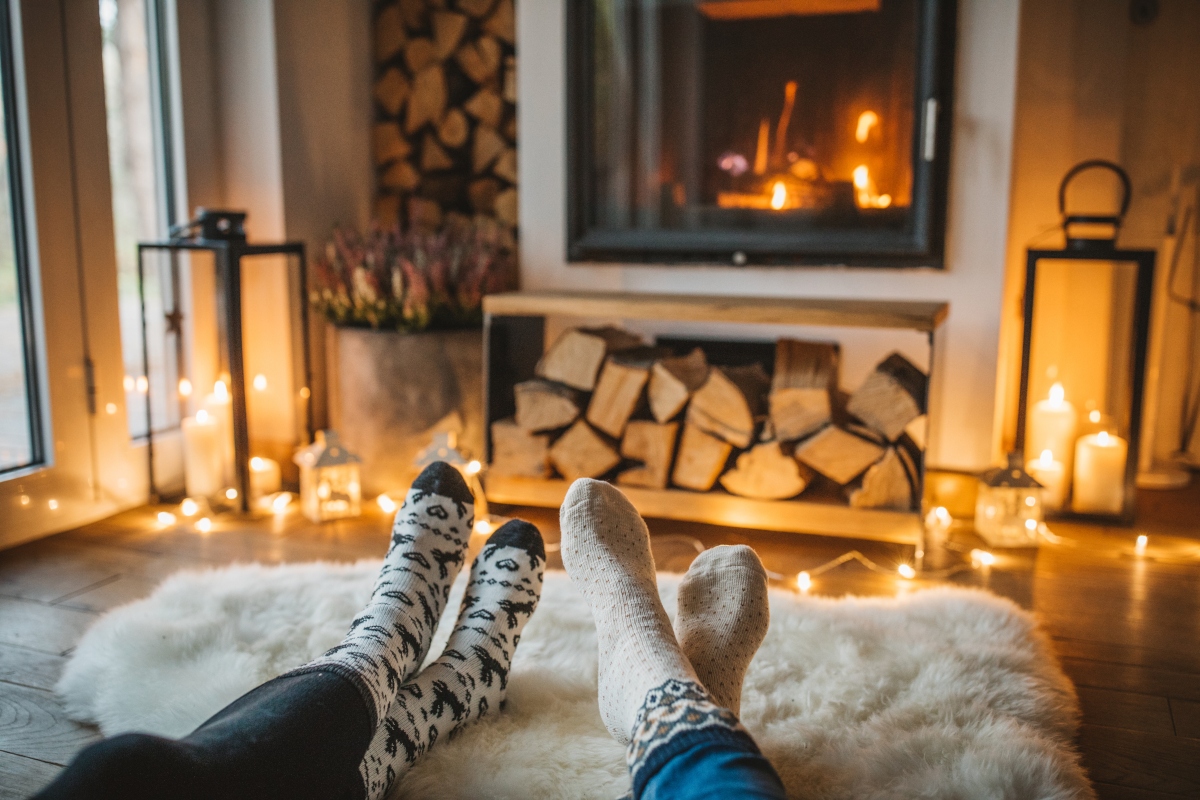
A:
{"x":229,"y":254}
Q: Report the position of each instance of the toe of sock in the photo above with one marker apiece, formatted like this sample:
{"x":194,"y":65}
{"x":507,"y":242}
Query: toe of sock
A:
{"x":588,"y":493}
{"x":442,"y":479}
{"x":521,"y":534}
{"x":725,"y":556}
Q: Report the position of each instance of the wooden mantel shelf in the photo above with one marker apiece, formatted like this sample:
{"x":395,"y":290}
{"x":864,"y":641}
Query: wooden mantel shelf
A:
{"x":911,"y":315}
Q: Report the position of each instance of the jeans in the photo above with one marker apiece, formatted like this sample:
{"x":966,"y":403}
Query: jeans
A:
{"x":708,"y":763}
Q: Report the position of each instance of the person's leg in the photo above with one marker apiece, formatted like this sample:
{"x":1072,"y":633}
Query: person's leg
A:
{"x":650,"y":696}
{"x":304,"y":734}
{"x":470,"y":678}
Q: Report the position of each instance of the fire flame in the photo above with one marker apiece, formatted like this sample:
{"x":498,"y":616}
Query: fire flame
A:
{"x":865,"y":191}
{"x":1057,"y":394}
{"x":778,"y":195}
{"x":866,"y":121}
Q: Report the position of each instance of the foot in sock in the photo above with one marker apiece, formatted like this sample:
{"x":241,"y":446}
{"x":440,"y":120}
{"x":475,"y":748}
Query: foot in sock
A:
{"x":469,"y":680}
{"x":389,"y":639}
{"x":722,"y":619}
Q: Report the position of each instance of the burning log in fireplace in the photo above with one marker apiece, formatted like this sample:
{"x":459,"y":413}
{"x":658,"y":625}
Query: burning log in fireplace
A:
{"x":606,"y":406}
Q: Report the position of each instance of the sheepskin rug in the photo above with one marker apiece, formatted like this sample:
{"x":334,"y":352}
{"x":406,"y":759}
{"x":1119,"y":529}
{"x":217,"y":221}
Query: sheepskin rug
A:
{"x":945,"y":693}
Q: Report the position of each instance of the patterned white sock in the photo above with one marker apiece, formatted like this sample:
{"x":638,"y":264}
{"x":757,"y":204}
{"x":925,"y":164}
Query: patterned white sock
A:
{"x":606,"y":552}
{"x":469,"y":679}
{"x":722,"y":619}
{"x":389,"y":639}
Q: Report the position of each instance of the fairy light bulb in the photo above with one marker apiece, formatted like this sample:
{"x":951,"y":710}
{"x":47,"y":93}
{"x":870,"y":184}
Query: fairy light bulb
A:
{"x":166,"y":518}
{"x":189,"y":507}
{"x":1142,"y":541}
{"x":906,"y":571}
{"x":386,"y":503}
{"x":804,"y":582}
{"x":204,"y":524}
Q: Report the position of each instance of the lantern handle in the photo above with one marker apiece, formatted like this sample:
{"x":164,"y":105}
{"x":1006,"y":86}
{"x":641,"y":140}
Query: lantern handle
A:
{"x":1095,"y":163}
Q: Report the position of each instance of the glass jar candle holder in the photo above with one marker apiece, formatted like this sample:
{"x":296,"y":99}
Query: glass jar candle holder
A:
{"x":1008,"y":507}
{"x":330,"y":485}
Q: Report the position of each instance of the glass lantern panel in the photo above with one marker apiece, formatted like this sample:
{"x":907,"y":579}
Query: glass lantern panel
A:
{"x":1008,"y":517}
{"x":1081,"y":377}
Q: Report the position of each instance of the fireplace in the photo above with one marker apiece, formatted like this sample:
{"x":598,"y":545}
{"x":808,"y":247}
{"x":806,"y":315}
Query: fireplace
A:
{"x":759,"y":131}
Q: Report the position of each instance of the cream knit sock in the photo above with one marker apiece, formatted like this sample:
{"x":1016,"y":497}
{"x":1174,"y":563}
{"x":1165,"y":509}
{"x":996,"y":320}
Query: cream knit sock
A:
{"x":606,"y":552}
{"x":722,"y":619}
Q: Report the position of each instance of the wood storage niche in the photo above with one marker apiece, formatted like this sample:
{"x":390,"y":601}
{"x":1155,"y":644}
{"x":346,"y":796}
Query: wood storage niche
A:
{"x":769,"y":433}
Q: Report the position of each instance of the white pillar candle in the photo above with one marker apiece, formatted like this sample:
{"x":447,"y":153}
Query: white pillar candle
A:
{"x":1052,"y":475}
{"x":264,"y":477}
{"x":1051,"y":427}
{"x":203,"y":473}
{"x":219,"y":406}
{"x":1099,"y":474}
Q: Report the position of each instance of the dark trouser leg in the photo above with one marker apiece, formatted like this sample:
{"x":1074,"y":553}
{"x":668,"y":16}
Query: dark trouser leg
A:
{"x":708,"y":763}
{"x":296,"y":737}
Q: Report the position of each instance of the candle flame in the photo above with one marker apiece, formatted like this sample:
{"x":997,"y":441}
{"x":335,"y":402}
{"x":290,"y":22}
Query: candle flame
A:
{"x":866,"y":121}
{"x":778,"y":195}
{"x":260,"y":382}
{"x":221,"y":390}
{"x":257,"y":464}
{"x":202,"y":416}
{"x":185,"y":387}
{"x":1102,"y":438}
{"x":231,"y":494}
{"x":1057,"y":394}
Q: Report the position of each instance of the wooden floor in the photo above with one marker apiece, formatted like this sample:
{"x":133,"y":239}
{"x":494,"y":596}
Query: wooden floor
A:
{"x":1126,"y":626}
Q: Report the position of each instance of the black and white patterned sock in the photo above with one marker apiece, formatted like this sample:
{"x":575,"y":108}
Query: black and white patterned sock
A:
{"x":389,"y":639}
{"x":469,"y":680}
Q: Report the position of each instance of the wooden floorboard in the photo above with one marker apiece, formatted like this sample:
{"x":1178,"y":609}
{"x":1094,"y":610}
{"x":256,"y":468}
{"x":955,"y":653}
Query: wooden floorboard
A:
{"x":1125,"y":626}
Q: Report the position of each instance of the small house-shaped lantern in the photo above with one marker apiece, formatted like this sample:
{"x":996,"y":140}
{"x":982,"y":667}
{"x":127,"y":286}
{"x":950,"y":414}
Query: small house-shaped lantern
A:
{"x":1008,"y":509}
{"x":329,"y":479}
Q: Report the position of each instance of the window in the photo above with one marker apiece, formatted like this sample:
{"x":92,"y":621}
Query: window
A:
{"x":140,"y":169}
{"x":20,"y":436}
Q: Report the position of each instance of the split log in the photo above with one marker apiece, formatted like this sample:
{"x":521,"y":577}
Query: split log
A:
{"x":487,"y":147}
{"x":485,"y":106}
{"x":918,"y":430}
{"x":582,"y":453}
{"x":418,"y":54}
{"x":391,"y":90}
{"x":454,"y":129}
{"x":885,"y":485}
{"x":413,"y":12}
{"x":401,"y":175}
{"x":838,"y":455}
{"x":509,"y":92}
{"x":729,"y":402}
{"x":519,"y":453}
{"x":806,"y":375}
{"x":389,"y":145}
{"x":545,"y":406}
{"x":506,"y":206}
{"x":448,"y":30}
{"x":701,"y":458}
{"x":891,"y":397}
{"x":864,"y":432}
{"x":476,"y":8}
{"x":510,"y":129}
{"x":427,"y":101}
{"x":433,"y":157}
{"x":653,"y":445}
{"x":482,"y":195}
{"x":503,"y":22}
{"x":480,"y":60}
{"x":765,"y":473}
{"x":506,"y":165}
{"x":389,"y":33}
{"x":617,"y":392}
{"x":576,"y":356}
{"x":672,"y":382}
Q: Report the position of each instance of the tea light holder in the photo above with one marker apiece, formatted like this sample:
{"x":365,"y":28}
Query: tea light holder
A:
{"x":330,"y":485}
{"x":1008,"y":507}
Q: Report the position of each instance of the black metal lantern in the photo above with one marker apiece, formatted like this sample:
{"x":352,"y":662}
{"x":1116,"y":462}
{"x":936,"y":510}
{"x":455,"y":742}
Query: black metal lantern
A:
{"x":1083,"y":362}
{"x":223,"y":234}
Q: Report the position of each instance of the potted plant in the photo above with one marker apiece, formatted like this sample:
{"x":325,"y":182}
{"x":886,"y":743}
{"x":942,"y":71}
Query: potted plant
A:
{"x":404,"y":359}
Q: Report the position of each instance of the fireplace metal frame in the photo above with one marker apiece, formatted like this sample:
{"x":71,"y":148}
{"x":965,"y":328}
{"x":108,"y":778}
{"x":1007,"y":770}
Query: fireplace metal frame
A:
{"x":921,"y":244}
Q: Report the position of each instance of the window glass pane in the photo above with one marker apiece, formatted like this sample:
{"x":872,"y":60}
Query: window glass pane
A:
{"x":16,"y":412}
{"x":135,"y":146}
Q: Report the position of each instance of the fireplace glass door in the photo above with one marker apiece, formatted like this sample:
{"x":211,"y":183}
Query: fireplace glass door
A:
{"x":759,"y":131}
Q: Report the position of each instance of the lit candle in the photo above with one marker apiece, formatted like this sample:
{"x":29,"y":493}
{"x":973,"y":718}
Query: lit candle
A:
{"x":1099,"y":474}
{"x":1052,"y":475}
{"x":1052,"y":427}
{"x":202,"y":469}
{"x":219,"y":406}
{"x":264,"y":477}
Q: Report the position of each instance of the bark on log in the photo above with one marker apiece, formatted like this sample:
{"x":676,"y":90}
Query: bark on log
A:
{"x":476,"y":8}
{"x":838,"y":455}
{"x":389,"y":34}
{"x":891,"y":397}
{"x":616,"y":395}
{"x":519,"y":453}
{"x":672,"y":381}
{"x":448,"y":30}
{"x":806,"y":375}
{"x":700,"y":460}
{"x":764,"y":472}
{"x":884,"y":485}
{"x":503,"y":22}
{"x":576,"y":356}
{"x":653,"y":445}
{"x":729,"y":402}
{"x":582,"y":453}
{"x":545,"y":406}
{"x":427,"y":102}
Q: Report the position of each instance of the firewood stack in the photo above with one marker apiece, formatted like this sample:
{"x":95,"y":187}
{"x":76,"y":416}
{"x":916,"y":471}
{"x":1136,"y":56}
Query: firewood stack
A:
{"x":604,"y":405}
{"x":445,"y":110}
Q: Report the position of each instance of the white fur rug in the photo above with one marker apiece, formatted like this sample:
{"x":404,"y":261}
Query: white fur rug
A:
{"x":946,"y":693}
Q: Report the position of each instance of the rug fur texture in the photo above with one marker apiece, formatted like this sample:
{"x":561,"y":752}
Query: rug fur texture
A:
{"x":944,"y":693}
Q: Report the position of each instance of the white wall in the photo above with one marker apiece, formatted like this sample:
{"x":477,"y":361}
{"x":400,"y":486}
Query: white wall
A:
{"x":963,"y":396}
